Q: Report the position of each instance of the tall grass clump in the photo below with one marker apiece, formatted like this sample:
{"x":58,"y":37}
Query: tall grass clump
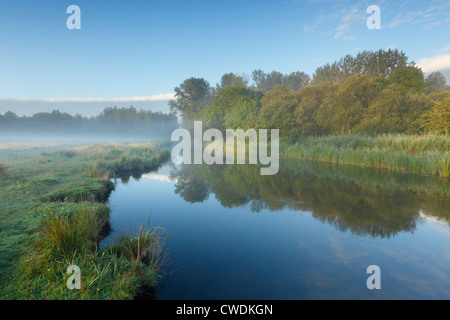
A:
{"x":119,"y":271}
{"x":145,"y":247}
{"x":417,"y":154}
{"x":65,"y":233}
{"x":97,"y":172}
{"x":444,"y":168}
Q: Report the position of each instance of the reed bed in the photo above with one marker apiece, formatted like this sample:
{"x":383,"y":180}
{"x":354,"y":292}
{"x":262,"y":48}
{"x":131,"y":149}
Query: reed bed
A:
{"x":428,"y":154}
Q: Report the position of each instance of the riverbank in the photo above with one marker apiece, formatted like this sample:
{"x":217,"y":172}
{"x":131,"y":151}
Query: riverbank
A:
{"x":54,"y":213}
{"x":425,"y":154}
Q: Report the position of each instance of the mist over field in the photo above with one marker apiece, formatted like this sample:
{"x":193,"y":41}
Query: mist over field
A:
{"x":29,"y":107}
{"x":112,"y":124}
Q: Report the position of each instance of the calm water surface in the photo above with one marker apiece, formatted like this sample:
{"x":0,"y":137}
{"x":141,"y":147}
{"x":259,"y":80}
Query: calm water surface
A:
{"x":310,"y":232}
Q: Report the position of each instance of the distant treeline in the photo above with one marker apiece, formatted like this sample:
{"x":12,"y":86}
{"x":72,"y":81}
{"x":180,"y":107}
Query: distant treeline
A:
{"x":112,"y":121}
{"x":370,"y":93}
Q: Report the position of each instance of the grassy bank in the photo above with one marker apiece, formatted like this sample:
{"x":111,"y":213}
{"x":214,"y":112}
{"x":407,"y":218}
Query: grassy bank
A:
{"x":53,"y":215}
{"x":428,"y":154}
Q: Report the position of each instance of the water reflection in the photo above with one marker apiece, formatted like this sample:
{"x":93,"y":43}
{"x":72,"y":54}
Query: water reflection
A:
{"x":309,"y":232}
{"x":363,"y":201}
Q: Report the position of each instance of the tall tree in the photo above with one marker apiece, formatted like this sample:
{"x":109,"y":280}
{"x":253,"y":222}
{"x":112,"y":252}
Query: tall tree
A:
{"x":370,"y":63}
{"x":192,"y":96}
{"x":343,"y":110}
{"x":311,"y":98}
{"x":436,"y":81}
{"x":268,"y":81}
{"x":233,"y":108}
{"x":437,"y":120}
{"x":407,"y":79}
{"x":232,"y":80}
{"x":296,"y":80}
{"x":277,"y":110}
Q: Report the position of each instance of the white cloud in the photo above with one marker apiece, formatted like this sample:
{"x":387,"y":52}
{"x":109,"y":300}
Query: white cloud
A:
{"x":159,"y":97}
{"x":438,"y":63}
{"x":447,"y":48}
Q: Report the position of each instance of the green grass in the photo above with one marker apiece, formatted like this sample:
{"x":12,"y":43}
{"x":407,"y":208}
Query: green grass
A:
{"x":53,"y":214}
{"x":426,"y":154}
{"x":444,"y":168}
{"x":146,"y":246}
{"x":65,"y":233}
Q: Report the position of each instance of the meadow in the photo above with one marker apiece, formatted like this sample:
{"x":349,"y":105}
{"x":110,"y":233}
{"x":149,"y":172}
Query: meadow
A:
{"x":54,"y":214}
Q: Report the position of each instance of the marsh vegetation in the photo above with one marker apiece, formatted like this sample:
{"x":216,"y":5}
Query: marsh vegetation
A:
{"x":54,"y":214}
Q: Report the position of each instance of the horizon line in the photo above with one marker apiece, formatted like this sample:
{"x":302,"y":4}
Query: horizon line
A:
{"x":158,"y":97}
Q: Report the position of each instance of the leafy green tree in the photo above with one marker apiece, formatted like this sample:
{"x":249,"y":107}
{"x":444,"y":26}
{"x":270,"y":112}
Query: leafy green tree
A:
{"x":415,"y":106}
{"x":343,"y":110}
{"x":243,"y":111}
{"x":296,"y":80}
{"x":306,"y":114}
{"x":437,"y":120}
{"x":277,"y":110}
{"x":385,"y":114}
{"x":437,"y":96}
{"x":192,"y":96}
{"x":407,"y":79}
{"x":232,"y":80}
{"x":232,"y":108}
{"x":436,"y":81}
{"x":328,"y":73}
{"x":380,"y":63}
{"x":268,"y":81}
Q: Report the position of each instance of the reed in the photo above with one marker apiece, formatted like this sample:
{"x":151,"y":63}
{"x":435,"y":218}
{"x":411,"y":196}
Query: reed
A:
{"x":146,"y":246}
{"x":417,"y":154}
{"x":444,"y":169}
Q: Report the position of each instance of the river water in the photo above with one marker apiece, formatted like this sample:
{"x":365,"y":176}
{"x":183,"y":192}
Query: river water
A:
{"x":309,"y":232}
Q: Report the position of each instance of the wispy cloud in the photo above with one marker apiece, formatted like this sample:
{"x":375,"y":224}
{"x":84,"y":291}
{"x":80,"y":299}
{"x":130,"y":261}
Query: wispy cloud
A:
{"x":349,"y":18}
{"x":447,"y":48}
{"x":341,"y":19}
{"x":429,"y":18}
{"x":159,"y":97}
{"x":438,"y":63}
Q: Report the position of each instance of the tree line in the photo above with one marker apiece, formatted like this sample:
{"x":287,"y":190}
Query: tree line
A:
{"x":113,"y":120}
{"x":370,"y":93}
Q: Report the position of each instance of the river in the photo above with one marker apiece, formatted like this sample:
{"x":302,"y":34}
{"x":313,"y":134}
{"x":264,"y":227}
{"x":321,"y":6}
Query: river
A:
{"x":309,"y":232}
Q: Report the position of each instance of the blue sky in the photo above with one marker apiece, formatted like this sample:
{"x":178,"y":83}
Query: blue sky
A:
{"x":136,"y":52}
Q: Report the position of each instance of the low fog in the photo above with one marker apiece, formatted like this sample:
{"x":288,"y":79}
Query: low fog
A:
{"x":112,"y":124}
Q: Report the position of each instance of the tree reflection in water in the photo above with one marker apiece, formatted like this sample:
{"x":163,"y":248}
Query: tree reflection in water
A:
{"x":364,"y":201}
